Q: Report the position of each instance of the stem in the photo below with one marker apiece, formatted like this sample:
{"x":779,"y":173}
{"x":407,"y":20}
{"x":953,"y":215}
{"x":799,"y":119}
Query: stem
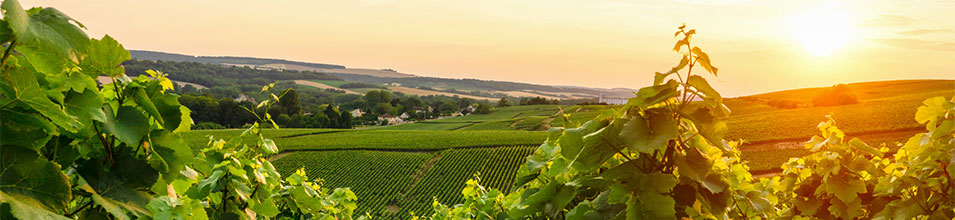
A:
{"x":80,"y":209}
{"x":6,"y":54}
{"x":116,"y":89}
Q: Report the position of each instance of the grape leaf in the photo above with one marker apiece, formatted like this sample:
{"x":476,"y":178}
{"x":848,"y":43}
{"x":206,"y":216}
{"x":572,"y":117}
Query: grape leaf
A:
{"x":844,"y":187}
{"x":47,"y":38}
{"x":171,"y":154}
{"x":11,"y":207}
{"x":32,"y":180}
{"x":645,"y":135}
{"x":119,"y":184}
{"x":129,"y":124}
{"x":704,"y":60}
{"x":25,"y":89}
{"x":106,"y":57}
{"x":652,"y":95}
{"x":32,"y":130}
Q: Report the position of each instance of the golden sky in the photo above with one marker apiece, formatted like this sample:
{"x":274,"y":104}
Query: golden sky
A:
{"x":759,"y":46}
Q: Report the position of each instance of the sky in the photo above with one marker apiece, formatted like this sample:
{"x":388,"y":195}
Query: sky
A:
{"x":759,"y":46}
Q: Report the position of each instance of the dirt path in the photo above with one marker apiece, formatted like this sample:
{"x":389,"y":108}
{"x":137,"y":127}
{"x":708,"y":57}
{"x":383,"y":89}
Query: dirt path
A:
{"x":322,"y":86}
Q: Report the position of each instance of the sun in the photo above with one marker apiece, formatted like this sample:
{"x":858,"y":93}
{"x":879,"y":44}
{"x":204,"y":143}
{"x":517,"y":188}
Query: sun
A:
{"x":821,"y":30}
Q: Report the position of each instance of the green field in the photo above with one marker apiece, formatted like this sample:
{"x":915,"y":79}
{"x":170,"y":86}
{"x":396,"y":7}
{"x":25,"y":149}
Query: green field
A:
{"x":399,"y":169}
{"x":312,"y":139}
{"x":393,"y":184}
{"x":529,"y":117}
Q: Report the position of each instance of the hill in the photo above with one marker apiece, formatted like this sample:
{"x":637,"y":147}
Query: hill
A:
{"x":476,"y":87}
{"x":153,"y":55}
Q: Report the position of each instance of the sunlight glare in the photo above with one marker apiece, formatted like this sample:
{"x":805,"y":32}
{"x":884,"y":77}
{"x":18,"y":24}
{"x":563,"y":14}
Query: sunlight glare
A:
{"x":821,"y":30}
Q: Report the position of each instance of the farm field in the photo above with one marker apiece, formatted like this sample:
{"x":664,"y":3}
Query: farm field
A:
{"x":345,"y":139}
{"x":392,"y":184}
{"x":529,"y":117}
{"x":400,"y":169}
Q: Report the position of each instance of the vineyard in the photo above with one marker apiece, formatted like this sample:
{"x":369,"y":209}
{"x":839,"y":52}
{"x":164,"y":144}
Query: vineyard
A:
{"x":393,"y":184}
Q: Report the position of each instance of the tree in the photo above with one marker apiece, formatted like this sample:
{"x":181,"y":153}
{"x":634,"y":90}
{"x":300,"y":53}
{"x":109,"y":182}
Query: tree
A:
{"x":482,"y":109}
{"x":333,"y":116}
{"x":374,"y":97}
{"x":289,"y":102}
{"x":502,"y":102}
{"x":383,"y":108}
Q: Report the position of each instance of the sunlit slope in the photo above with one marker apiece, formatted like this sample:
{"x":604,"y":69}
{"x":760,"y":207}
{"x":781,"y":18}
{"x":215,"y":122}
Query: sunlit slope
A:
{"x":883,"y":106}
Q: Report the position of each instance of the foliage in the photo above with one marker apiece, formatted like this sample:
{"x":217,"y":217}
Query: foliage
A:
{"x":214,"y":75}
{"x":661,"y":156}
{"x":72,"y":149}
{"x":837,"y":95}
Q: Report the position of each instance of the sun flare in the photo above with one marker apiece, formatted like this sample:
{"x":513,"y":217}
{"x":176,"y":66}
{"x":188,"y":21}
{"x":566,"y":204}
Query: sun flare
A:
{"x":822,"y":30}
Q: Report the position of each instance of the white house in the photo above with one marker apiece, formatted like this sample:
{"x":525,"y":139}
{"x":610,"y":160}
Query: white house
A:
{"x":404,"y":116}
{"x":611,"y":101}
{"x":356,"y":113}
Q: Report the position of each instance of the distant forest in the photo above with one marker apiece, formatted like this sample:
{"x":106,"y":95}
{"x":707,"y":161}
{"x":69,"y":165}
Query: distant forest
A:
{"x":152,"y":55}
{"x":211,"y":75}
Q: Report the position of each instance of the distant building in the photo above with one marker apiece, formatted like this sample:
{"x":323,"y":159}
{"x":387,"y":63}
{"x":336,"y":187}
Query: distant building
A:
{"x":404,"y":116}
{"x":356,"y":113}
{"x":611,"y":101}
{"x":243,"y":97}
{"x":470,"y":109}
{"x":392,"y":120}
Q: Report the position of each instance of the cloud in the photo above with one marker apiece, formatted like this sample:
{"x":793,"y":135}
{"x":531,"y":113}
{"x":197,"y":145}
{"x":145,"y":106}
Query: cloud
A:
{"x":922,"y":31}
{"x":911,"y":43}
{"x":888,"y":21}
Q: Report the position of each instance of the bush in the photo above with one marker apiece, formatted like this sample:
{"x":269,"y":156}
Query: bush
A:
{"x":837,"y":95}
{"x":207,"y":126}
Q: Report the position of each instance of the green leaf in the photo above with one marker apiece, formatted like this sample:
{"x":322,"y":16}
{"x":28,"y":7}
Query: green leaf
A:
{"x":164,"y":207}
{"x":711,"y":95}
{"x":5,"y":33}
{"x":647,"y":135}
{"x":704,"y":60}
{"x":129,"y":124}
{"x":652,"y":95}
{"x":25,"y":89}
{"x":143,"y":100}
{"x":715,"y":183}
{"x":32,"y":130}
{"x":120,"y":184}
{"x":28,"y":179}
{"x":661,"y":206}
{"x":106,"y":57}
{"x":87,"y":107}
{"x":759,"y":202}
{"x":658,"y":78}
{"x":269,"y":146}
{"x":598,"y":147}
{"x":932,"y":109}
{"x":573,"y":139}
{"x":185,"y":123}
{"x":694,"y":165}
{"x":171,"y":111}
{"x":22,"y":209}
{"x":618,"y":194}
{"x":264,"y":205}
{"x":171,"y":154}
{"x":844,"y":187}
{"x":860,"y":145}
{"x":47,"y":38}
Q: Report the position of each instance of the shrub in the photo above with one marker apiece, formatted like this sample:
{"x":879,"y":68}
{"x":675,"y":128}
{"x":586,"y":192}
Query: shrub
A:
{"x":839,"y":94}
